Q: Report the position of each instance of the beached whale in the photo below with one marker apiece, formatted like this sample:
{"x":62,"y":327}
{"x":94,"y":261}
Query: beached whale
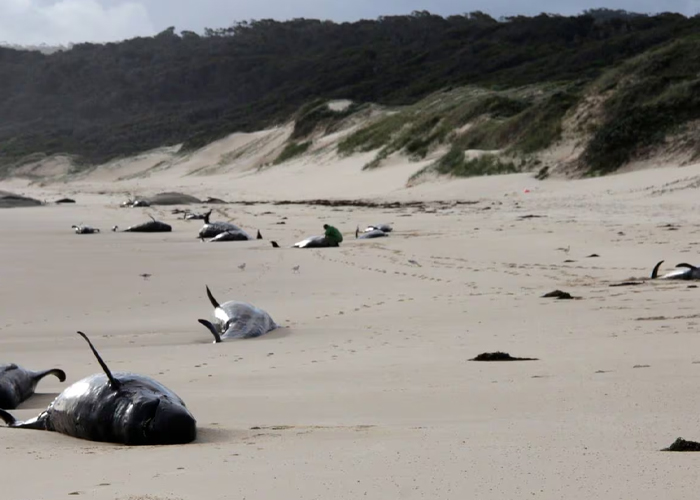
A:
{"x":230,"y":235}
{"x":237,"y":320}
{"x":386,"y":228}
{"x":187,"y":215}
{"x":152,"y":226}
{"x":211,"y":229}
{"x":172,"y":198}
{"x":685,"y":272}
{"x":375,"y":233}
{"x":115,"y":407}
{"x":314,"y":242}
{"x":135,"y":203}
{"x":18,"y":384}
{"x":83,"y":229}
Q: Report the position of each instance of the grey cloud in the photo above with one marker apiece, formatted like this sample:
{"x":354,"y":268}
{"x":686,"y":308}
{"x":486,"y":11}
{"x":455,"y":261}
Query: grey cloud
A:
{"x":32,"y":22}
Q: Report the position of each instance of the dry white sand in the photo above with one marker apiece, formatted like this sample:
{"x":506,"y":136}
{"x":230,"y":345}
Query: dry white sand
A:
{"x":367,"y":391}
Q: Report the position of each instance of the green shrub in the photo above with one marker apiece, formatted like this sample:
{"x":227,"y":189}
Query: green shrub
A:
{"x":292,"y":150}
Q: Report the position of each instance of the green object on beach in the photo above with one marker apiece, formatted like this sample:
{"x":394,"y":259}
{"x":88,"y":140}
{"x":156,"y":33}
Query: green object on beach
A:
{"x":333,"y":234}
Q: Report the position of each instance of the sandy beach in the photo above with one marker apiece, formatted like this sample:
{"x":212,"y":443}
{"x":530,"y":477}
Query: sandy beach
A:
{"x":367,"y":391}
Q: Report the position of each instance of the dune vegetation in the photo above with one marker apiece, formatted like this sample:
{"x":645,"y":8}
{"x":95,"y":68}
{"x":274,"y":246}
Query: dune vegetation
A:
{"x":425,"y":86}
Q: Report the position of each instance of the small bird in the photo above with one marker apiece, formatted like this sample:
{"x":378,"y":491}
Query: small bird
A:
{"x":565,"y":249}
{"x":295,"y":269}
{"x":242,"y":267}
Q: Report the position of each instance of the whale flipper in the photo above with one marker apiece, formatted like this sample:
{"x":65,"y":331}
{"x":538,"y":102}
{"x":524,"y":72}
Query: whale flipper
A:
{"x":212,"y":329}
{"x":112,"y":381}
{"x":686,"y":265}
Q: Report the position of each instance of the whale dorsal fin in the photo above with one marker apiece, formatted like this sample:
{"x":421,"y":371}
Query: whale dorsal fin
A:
{"x":259,"y":236}
{"x":686,"y":265}
{"x":153,"y":218}
{"x":655,"y":271}
{"x":206,"y":216}
{"x":112,"y":381}
{"x":211,"y":298}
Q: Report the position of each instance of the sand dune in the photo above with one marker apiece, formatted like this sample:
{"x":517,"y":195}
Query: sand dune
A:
{"x":367,"y":391}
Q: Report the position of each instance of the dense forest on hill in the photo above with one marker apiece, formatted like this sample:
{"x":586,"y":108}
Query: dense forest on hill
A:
{"x":101,"y":101}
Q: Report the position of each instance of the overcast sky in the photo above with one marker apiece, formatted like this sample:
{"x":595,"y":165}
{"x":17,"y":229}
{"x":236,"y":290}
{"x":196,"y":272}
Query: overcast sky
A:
{"x":65,"y":21}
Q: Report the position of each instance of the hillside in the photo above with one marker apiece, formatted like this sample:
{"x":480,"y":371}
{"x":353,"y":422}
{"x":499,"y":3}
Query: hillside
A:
{"x":606,"y":86}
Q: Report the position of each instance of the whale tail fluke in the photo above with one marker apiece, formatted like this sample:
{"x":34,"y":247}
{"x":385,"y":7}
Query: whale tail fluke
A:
{"x":58,"y":373}
{"x":38,"y":423}
{"x":655,"y":271}
{"x":7,"y":418}
{"x":112,"y":381}
{"x":211,"y":298}
{"x":207,"y":215}
{"x":689,"y":266}
{"x":212,"y":329}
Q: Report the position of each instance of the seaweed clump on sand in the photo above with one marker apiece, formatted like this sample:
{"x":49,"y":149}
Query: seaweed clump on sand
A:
{"x":558,"y":294}
{"x":499,"y":356}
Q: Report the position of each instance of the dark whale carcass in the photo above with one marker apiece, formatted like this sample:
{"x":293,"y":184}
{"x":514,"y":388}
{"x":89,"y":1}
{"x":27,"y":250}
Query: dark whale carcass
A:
{"x":83,"y":229}
{"x":314,"y":242}
{"x":152,"y":226}
{"x":374,"y":233}
{"x":682,"y":272}
{"x":237,"y":320}
{"x":386,"y":228}
{"x":17,"y":384}
{"x":232,"y":235}
{"x":119,"y":408}
{"x":212,"y":229}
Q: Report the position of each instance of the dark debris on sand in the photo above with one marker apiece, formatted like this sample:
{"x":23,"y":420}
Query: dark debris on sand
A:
{"x":421,"y":205}
{"x":558,"y":294}
{"x":628,"y":283}
{"x":681,"y":444}
{"x":499,"y":356}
